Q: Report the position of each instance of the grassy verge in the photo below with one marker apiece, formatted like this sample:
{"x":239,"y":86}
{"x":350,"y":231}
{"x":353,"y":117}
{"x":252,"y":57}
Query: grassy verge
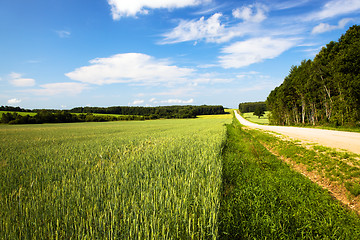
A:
{"x":262,"y":198}
{"x":339,"y":171}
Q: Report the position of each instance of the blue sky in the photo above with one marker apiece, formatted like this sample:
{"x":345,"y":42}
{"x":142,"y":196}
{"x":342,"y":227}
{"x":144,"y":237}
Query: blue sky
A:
{"x":64,"y":54}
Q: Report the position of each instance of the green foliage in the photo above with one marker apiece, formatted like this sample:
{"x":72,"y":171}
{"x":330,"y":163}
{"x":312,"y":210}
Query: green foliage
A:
{"x":259,"y":111}
{"x":251,"y":106}
{"x":13,"y":109}
{"x":323,"y":91}
{"x":262,"y":198}
{"x":353,"y":188}
{"x":114,"y":180}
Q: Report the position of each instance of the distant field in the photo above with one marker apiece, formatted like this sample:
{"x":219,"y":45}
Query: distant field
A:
{"x":255,"y":119}
{"x":20,"y":113}
{"x":218,"y":116}
{"x":102,"y":114}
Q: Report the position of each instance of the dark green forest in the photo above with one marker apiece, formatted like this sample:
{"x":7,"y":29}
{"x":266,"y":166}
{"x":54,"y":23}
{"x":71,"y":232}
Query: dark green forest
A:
{"x":155,"y":112}
{"x":322,"y":91}
{"x":14,"y":109}
{"x":252,"y":106}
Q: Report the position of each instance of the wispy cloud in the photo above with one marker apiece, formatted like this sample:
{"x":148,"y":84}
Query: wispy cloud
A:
{"x":131,"y":68}
{"x":211,"y":78}
{"x":63,"y":33}
{"x":245,"y":53}
{"x":336,"y":8}
{"x":63,"y":88}
{"x":17,"y":80}
{"x":282,"y":5}
{"x":324,"y":27}
{"x":154,"y":101}
{"x":130,"y":8}
{"x":14,"y":101}
{"x":172,"y":101}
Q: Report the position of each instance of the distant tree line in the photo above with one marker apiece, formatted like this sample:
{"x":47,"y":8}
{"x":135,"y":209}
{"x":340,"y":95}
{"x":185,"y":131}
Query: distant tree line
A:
{"x":325,"y":90}
{"x":13,"y":109}
{"x":155,"y":112}
{"x":252,"y":106}
{"x":86,"y":114}
{"x":61,"y":117}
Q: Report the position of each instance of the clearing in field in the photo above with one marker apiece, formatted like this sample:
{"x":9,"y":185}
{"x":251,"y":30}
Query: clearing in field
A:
{"x":255,"y":119}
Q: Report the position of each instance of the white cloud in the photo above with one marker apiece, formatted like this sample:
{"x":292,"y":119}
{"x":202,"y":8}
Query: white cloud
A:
{"x":14,"y":101}
{"x":245,"y":53}
{"x":130,"y":8}
{"x":17,"y":80}
{"x":335,"y":8}
{"x":211,"y":30}
{"x":137,"y":102}
{"x":23,"y":82}
{"x":324,"y":27}
{"x":63,"y":33}
{"x":64,"y":88}
{"x":175,"y":101}
{"x":251,"y":13}
{"x":134,"y":68}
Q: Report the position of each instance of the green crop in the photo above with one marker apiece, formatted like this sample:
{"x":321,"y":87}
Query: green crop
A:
{"x":115,"y":180}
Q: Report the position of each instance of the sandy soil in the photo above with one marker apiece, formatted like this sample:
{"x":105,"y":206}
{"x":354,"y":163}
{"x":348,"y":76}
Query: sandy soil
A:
{"x":349,"y":141}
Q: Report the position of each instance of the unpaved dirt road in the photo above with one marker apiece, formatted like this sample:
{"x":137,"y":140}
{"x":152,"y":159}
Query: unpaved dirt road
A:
{"x":349,"y":141}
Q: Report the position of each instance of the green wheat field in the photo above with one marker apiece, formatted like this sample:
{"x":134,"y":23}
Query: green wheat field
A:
{"x":201,"y":178}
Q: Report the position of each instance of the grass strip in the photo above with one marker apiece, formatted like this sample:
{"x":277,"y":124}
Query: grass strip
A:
{"x":262,"y":198}
{"x":339,"y":172}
